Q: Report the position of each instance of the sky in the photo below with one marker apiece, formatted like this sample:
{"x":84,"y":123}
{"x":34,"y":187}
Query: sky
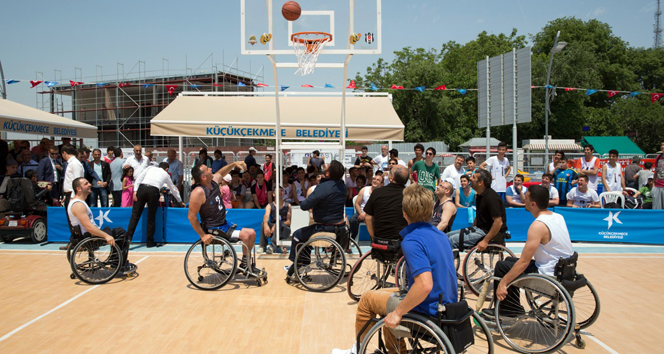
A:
{"x":56,"y":37}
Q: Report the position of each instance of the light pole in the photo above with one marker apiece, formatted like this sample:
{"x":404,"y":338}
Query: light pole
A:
{"x":557,"y":48}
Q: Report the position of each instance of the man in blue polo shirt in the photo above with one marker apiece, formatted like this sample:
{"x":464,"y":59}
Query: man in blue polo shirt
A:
{"x":429,"y":268}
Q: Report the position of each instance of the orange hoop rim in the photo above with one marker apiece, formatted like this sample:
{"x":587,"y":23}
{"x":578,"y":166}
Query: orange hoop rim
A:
{"x":326,"y":37}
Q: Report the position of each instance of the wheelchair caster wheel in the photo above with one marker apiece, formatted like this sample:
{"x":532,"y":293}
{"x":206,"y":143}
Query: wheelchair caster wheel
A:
{"x":72,"y":276}
{"x":580,"y":343}
{"x":200,"y":278}
{"x":259,"y":283}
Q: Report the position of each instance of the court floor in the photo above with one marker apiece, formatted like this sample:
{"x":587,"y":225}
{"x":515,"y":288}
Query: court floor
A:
{"x":44,"y":311}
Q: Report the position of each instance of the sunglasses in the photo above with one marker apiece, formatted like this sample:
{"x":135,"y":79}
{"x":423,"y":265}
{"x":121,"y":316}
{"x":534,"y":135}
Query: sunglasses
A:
{"x":429,"y":153}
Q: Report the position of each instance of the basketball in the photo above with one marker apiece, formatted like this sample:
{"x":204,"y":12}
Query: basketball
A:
{"x":291,"y":10}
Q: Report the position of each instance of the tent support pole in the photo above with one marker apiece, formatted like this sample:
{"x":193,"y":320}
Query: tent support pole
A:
{"x":277,"y":150}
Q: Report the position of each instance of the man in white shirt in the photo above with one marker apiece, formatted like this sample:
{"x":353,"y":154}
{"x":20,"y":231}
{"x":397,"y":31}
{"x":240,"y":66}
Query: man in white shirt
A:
{"x":581,"y":196}
{"x":454,"y":171}
{"x":394,"y":154}
{"x":73,"y":170}
{"x":554,"y":196}
{"x":515,"y":194}
{"x":361,"y":200}
{"x":612,"y":177}
{"x":138,"y":162}
{"x":556,"y":161}
{"x":146,"y":190}
{"x":499,"y":166}
{"x":382,"y":160}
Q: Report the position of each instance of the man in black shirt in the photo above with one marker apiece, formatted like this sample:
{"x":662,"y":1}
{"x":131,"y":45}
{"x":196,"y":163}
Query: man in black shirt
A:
{"x":250,"y":160}
{"x":490,"y":219}
{"x":364,"y":160}
{"x":384,"y":217}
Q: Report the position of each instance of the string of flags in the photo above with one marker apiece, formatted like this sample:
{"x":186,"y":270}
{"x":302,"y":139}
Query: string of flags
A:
{"x":654,"y":96}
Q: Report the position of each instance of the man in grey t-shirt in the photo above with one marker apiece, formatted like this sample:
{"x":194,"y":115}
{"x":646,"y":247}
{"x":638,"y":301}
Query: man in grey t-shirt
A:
{"x":116,"y":177}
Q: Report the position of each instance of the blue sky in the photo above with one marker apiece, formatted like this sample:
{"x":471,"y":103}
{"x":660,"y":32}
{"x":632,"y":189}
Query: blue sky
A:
{"x":94,"y":35}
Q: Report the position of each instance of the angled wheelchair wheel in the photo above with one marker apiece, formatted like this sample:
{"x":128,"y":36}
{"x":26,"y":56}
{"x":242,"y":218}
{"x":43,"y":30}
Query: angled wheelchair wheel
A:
{"x":400,"y":275}
{"x":367,"y":274}
{"x":586,"y":305}
{"x":483,"y":338}
{"x":479,"y":266}
{"x":547,"y":320}
{"x":94,"y":261}
{"x":209,"y":267}
{"x":415,"y":334}
{"x":353,"y":254}
{"x":320,"y":263}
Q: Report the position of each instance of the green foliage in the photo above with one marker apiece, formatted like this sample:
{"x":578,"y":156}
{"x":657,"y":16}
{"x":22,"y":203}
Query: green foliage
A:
{"x":593,"y":58}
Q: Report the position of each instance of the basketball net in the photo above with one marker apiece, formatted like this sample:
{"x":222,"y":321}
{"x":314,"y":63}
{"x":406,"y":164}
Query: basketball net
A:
{"x":307,"y":46}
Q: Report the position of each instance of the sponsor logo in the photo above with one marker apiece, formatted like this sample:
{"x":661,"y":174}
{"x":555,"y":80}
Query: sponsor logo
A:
{"x":612,"y":218}
{"x":103,"y":216}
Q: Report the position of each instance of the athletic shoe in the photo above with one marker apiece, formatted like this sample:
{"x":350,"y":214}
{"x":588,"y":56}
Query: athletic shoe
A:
{"x":352,"y":350}
{"x":268,"y":250}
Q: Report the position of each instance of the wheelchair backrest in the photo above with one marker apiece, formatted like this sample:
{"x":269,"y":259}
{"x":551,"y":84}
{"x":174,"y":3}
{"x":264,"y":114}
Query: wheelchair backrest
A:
{"x":566,"y":267}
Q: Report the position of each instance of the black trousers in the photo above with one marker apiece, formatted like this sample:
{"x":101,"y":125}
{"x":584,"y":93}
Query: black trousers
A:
{"x":150,"y":195}
{"x":511,"y":302}
{"x":66,"y":203}
{"x":117,"y":198}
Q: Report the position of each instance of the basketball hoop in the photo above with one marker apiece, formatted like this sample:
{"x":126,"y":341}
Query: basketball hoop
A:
{"x":307,"y":46}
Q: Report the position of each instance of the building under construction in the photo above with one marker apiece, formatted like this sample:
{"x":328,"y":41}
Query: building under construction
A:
{"x":122,"y":109}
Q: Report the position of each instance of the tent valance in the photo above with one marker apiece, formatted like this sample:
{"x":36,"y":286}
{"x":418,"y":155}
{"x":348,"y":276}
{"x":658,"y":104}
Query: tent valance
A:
{"x":306,"y":118}
{"x":18,"y":118}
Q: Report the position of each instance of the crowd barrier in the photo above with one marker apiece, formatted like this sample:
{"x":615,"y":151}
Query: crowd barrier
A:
{"x":589,"y":225}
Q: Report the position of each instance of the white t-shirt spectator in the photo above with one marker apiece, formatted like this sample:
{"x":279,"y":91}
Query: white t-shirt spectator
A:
{"x":498,"y":170}
{"x":451,"y":174}
{"x":382,"y":162}
{"x":138,"y":166}
{"x":350,"y":183}
{"x":583,"y":200}
{"x":516,"y":197}
{"x":553,"y":192}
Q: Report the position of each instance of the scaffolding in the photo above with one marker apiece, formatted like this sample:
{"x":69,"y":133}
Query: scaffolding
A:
{"x":121,"y":105}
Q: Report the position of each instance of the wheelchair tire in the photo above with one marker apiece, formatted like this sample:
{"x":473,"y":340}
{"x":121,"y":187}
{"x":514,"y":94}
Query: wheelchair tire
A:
{"x":38,"y":234}
{"x":210,"y":267}
{"x":363,"y":277}
{"x":549,"y":318}
{"x":479,"y":266}
{"x":94,"y":261}
{"x":587,"y":305}
{"x":420,"y":335}
{"x":354,"y":255}
{"x":483,"y":337}
{"x":400,"y":275}
{"x":320,"y":263}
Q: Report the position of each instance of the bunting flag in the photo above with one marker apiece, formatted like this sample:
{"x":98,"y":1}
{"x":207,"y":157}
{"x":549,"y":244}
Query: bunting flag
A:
{"x":75,"y":83}
{"x":283,"y":88}
{"x":101,"y":84}
{"x":171,"y":89}
{"x":612,"y":93}
{"x":9,"y":82}
{"x":532,"y":87}
{"x":351,"y":85}
{"x":634,"y":94}
{"x":462,"y":91}
{"x":440,"y":88}
{"x":240,"y":84}
{"x":373,"y":87}
{"x":328,"y":86}
{"x":218,"y":85}
{"x":194,"y":86}
{"x":570,"y":89}
{"x":420,"y":88}
{"x":35,"y":83}
{"x":50,"y":83}
{"x":307,"y":86}
{"x":262,"y":85}
{"x":549,"y":86}
{"x":654,"y":97}
{"x":586,"y":128}
{"x":147,"y":85}
{"x":123,"y":84}
{"x":395,"y":87}
{"x":590,"y":92}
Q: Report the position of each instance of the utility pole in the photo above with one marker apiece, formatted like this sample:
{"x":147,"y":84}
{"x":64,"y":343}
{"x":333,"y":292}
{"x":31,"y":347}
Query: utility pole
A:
{"x":658,"y":27}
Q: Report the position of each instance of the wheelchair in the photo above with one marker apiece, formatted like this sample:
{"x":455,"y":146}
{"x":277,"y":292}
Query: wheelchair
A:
{"x":321,"y":262}
{"x":373,"y":269}
{"x":94,"y":261}
{"x":210,"y":267}
{"x":26,"y":214}
{"x":551,"y":313}
{"x":452,"y":331}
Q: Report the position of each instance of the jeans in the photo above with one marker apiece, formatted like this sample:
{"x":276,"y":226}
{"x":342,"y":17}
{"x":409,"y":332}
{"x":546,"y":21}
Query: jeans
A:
{"x":472,"y":235}
{"x":150,"y":195}
{"x":355,"y":226}
{"x":512,"y":303}
{"x":117,"y":198}
{"x":102,"y":194}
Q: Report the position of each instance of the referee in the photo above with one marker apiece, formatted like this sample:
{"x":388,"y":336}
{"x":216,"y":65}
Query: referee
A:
{"x":146,"y":190}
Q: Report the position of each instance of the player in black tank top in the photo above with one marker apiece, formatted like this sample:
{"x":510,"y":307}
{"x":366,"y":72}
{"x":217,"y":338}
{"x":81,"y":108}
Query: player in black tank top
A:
{"x":443,"y":193}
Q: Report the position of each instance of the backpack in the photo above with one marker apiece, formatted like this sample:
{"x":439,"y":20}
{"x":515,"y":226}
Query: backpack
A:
{"x":16,"y":198}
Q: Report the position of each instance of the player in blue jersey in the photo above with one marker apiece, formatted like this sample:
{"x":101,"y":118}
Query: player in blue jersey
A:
{"x":565,"y":179}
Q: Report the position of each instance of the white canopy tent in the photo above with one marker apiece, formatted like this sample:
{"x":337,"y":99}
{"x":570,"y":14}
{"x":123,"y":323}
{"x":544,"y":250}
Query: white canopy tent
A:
{"x":18,"y":118}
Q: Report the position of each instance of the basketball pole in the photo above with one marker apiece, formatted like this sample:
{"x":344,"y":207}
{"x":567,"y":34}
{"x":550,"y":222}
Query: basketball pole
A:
{"x":277,"y":149}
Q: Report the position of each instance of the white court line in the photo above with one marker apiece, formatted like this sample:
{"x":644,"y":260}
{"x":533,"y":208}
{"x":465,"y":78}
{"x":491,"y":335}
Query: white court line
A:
{"x":608,"y":349}
{"x":6,"y":336}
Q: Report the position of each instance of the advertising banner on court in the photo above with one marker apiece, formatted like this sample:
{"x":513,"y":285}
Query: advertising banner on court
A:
{"x":614,"y":225}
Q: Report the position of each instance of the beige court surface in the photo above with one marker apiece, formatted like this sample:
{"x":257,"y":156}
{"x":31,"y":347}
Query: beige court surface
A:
{"x":44,"y":311}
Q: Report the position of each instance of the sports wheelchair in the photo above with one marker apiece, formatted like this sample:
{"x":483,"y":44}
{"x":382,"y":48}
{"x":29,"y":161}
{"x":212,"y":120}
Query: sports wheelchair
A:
{"x":94,"y":261}
{"x":210,"y":267}
{"x":373,"y":269}
{"x":321,"y":262}
{"x":555,"y":308}
{"x":452,"y":331}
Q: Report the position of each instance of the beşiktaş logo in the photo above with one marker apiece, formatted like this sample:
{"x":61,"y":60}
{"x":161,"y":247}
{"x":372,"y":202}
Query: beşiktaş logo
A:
{"x":613,"y":235}
{"x":103,"y":216}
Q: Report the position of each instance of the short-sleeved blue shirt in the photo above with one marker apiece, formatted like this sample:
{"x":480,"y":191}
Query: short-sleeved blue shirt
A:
{"x":426,"y":249}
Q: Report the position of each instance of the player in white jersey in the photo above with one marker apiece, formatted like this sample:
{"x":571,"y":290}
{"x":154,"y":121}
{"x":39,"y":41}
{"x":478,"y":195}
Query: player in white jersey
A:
{"x":582,"y":196}
{"x":589,"y":165}
{"x":612,"y":177}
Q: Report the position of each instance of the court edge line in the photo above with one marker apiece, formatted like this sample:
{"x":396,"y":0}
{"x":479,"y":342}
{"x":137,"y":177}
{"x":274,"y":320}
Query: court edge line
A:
{"x":8,"y":335}
{"x":608,"y":349}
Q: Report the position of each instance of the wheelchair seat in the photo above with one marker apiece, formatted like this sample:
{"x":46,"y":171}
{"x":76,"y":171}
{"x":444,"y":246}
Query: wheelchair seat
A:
{"x":565,"y":273}
{"x":499,"y":239}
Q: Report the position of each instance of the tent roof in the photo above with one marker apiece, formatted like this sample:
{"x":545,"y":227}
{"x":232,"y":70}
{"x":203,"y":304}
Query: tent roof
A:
{"x":481,"y":142}
{"x":305,"y":118}
{"x":603,"y":144}
{"x":18,"y":118}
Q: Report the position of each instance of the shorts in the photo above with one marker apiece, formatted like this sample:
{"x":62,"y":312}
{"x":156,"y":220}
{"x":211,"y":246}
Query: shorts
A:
{"x":234,"y":237}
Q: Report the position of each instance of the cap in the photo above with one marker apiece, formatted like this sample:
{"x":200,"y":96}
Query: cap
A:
{"x":228,"y":178}
{"x":253,"y":149}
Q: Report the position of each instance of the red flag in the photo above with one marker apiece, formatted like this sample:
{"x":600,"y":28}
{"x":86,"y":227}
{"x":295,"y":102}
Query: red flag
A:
{"x":123,"y":84}
{"x":439,"y":88}
{"x":35,"y":83}
{"x":571,"y":89}
{"x":223,"y":84}
{"x":532,"y":87}
{"x":395,"y":87}
{"x":612,"y":93}
{"x":171,"y":89}
{"x":654,"y":97}
{"x":307,"y":86}
{"x":75,"y":83}
{"x":261,"y":85}
{"x":351,"y":85}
